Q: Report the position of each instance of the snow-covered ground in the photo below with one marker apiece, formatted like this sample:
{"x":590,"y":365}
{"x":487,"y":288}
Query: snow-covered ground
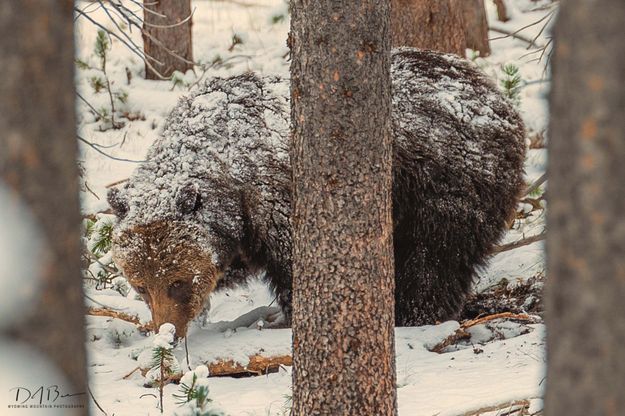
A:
{"x":496,"y":370}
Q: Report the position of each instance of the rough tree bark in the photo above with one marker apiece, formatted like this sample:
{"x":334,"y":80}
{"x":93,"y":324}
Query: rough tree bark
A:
{"x":428,"y":24}
{"x":476,"y":26}
{"x":342,"y":231}
{"x":586,"y":240}
{"x":167,"y":38}
{"x":38,"y":163}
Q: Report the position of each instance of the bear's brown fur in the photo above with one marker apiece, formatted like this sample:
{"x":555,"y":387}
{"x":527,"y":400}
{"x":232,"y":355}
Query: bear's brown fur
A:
{"x":213,"y":201}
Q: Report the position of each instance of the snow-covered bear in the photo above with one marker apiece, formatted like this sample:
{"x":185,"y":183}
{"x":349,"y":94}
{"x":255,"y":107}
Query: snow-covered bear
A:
{"x":212,"y":202}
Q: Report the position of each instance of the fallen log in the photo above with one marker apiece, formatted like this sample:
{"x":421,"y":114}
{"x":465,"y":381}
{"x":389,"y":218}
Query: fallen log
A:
{"x":462,"y":334}
{"x":257,"y":365}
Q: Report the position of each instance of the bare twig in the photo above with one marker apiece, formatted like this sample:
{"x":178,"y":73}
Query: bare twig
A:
{"x":134,"y":49}
{"x":537,"y":183}
{"x":523,"y":242}
{"x":110,"y":185}
{"x":95,"y":401}
{"x":547,"y":16}
{"x":186,"y":351}
{"x":127,"y":376}
{"x":91,"y":191}
{"x":94,"y":147}
{"x":90,"y":106}
{"x":508,"y":409}
{"x":511,"y":34}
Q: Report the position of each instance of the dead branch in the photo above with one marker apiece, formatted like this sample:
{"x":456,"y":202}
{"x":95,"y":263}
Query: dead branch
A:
{"x":514,"y":35}
{"x":506,"y":315}
{"x":110,"y":185}
{"x":95,"y":147}
{"x":127,"y":376}
{"x":507,"y":409}
{"x":120,"y":315}
{"x":95,"y":401}
{"x":457,"y":336}
{"x":91,"y":191}
{"x":536,"y":184}
{"x":523,"y":242}
{"x":461,"y":333}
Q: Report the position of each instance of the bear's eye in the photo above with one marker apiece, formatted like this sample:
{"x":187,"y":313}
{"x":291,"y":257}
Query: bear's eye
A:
{"x":141,"y":290}
{"x":180,"y":290}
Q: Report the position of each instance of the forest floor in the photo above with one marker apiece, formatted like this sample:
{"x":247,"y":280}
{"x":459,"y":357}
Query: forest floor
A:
{"x":491,"y":367}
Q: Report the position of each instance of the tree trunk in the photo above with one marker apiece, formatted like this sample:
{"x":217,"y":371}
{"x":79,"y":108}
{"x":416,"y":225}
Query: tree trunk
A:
{"x":343,"y":285}
{"x":476,"y":26}
{"x":38,"y":165}
{"x":167,"y":37}
{"x":586,"y":240}
{"x":428,"y":24}
{"x":502,"y":13}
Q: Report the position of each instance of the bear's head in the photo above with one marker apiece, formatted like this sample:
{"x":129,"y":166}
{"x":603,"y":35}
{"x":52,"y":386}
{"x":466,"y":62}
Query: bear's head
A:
{"x":165,"y":262}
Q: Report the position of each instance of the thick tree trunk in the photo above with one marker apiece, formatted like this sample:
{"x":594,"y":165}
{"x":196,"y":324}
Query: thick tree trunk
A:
{"x":38,"y":165}
{"x":343,"y":285}
{"x":476,"y":26}
{"x":167,"y":37}
{"x":586,"y":240}
{"x":429,"y":24}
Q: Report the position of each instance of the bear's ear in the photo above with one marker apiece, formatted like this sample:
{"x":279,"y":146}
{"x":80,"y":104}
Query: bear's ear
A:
{"x":188,"y":199}
{"x":118,"y":202}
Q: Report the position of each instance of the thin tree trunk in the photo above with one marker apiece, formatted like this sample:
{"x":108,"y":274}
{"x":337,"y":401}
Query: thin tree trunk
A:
{"x":38,"y":163}
{"x":429,"y":24}
{"x":586,"y":240}
{"x":343,"y":303}
{"x":476,"y":26}
{"x":502,"y":13}
{"x":168,"y":38}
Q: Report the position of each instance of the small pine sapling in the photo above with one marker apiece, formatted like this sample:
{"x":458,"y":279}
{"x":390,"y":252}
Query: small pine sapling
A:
{"x":103,"y":83}
{"x":102,"y":236}
{"x":511,"y":83}
{"x":97,"y":251}
{"x":193,"y":394}
{"x":164,"y":364}
{"x":102,"y":46}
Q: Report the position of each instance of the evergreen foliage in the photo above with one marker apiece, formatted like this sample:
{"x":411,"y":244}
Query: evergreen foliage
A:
{"x":511,"y":83}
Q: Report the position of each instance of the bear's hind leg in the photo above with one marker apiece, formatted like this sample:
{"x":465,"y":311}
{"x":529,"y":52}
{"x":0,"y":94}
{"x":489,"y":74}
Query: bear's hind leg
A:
{"x":428,"y":289}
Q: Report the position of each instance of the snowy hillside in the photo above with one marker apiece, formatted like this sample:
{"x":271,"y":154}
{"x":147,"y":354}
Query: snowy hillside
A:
{"x":475,"y":368}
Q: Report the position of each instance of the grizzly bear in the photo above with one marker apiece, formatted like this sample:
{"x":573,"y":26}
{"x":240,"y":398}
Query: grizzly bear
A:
{"x":212,"y":203}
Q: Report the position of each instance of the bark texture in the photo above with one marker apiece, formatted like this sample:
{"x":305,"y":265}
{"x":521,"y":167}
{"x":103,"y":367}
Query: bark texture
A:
{"x":166,"y":38}
{"x":429,"y":24}
{"x":38,"y":163}
{"x":342,"y":231}
{"x":476,"y":26}
{"x":586,"y":240}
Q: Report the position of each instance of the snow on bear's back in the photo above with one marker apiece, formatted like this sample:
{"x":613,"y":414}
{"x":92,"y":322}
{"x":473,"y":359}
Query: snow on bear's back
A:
{"x":234,"y":128}
{"x":454,"y":114}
